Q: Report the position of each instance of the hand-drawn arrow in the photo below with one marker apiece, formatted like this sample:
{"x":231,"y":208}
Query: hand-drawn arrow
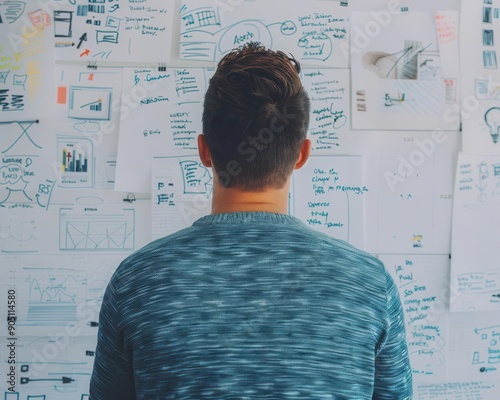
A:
{"x":477,"y":330}
{"x":38,"y":201}
{"x":85,"y":53}
{"x":64,"y":379}
{"x":82,"y":38}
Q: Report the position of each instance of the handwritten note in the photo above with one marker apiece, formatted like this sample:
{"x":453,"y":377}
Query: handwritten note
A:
{"x":422,"y":282}
{"x":477,"y":390}
{"x":329,"y":121}
{"x":106,"y":32}
{"x":447,"y":26}
{"x":314,"y":32}
{"x":476,"y":225}
{"x":328,"y":196}
{"x":161,"y":115}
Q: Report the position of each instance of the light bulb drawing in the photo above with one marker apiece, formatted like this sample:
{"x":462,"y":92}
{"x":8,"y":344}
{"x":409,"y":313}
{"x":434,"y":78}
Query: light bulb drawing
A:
{"x":492,"y":119}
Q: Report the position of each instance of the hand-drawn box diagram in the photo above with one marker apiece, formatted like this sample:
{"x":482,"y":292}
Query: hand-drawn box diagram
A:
{"x":488,"y":360}
{"x":63,"y":22}
{"x":90,"y":229}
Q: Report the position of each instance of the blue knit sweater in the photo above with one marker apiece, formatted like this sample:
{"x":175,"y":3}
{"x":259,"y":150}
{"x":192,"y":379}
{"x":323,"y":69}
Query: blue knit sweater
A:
{"x":251,"y":306}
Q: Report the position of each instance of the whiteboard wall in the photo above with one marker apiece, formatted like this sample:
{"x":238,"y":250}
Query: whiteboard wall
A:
{"x":100,"y":106}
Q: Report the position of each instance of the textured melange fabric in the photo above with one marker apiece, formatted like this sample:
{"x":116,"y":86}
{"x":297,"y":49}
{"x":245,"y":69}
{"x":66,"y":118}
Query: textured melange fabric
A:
{"x":251,"y":306}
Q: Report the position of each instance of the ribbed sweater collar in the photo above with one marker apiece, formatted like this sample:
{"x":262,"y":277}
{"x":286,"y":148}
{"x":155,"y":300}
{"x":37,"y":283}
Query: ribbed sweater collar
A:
{"x":245,"y":217}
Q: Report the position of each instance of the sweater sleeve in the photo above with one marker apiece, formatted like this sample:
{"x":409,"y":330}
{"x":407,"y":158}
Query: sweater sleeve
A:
{"x":112,"y":376}
{"x":393,"y":374}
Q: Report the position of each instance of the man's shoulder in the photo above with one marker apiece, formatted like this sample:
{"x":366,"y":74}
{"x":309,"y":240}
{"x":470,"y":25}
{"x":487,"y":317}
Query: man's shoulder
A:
{"x":300,"y":240}
{"x":340,"y":248}
{"x":139,"y":260}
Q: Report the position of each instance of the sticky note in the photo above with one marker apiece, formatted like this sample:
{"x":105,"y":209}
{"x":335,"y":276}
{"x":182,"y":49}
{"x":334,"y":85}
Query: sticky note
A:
{"x":61,"y":94}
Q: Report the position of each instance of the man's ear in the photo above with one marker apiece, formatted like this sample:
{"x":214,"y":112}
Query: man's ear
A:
{"x":204,"y":152}
{"x":305,"y":152}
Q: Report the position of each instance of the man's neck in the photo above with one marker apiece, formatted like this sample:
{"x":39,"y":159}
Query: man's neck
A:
{"x":234,"y":200}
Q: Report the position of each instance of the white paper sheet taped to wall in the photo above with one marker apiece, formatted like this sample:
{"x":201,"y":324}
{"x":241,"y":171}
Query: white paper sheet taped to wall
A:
{"x":327,"y":194}
{"x":422,"y":281}
{"x":315,"y":32}
{"x":475,"y":276}
{"x":161,"y":115}
{"x":480,"y":52}
{"x":26,"y":61}
{"x":397,"y":76}
{"x":114,"y":32}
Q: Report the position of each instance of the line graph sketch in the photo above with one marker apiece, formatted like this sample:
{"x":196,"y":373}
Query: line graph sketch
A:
{"x":91,"y":103}
{"x":95,"y":230}
{"x":16,"y":135}
{"x":53,"y":295}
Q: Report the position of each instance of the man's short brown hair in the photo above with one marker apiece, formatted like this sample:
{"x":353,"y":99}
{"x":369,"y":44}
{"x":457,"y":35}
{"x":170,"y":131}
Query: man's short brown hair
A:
{"x":255,"y":118}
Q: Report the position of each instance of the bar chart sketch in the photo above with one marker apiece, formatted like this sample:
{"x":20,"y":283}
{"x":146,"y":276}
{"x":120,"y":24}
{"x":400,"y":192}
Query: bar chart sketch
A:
{"x":76,"y":155}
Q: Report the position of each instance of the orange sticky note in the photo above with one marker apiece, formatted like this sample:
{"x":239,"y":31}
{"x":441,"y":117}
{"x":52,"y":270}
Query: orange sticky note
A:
{"x":61,"y":94}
